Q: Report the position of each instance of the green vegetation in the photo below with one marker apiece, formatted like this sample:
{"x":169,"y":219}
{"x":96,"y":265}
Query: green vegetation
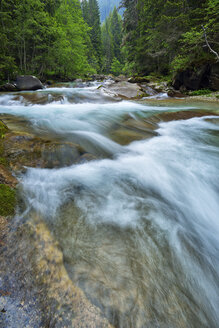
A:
{"x":7,"y":200}
{"x":3,"y":129}
{"x":91,"y":15}
{"x":113,"y":58}
{"x":63,"y":39}
{"x":46,"y":38}
{"x":167,"y":36}
{"x":7,"y":194}
{"x":201,"y":92}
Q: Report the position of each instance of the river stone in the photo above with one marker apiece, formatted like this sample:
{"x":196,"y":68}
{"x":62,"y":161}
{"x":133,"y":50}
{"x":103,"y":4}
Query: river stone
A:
{"x":193,"y":78}
{"x":124,"y":90}
{"x":132,"y":130}
{"x":175,"y":93}
{"x":8,"y":87}
{"x":214,"y":77}
{"x":23,"y":149}
{"x":138,"y":79}
{"x":28,"y":82}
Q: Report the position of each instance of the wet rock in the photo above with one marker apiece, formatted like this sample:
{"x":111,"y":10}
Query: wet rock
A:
{"x":124,"y":90}
{"x":86,"y":158}
{"x":8,"y":87}
{"x":181,"y":115}
{"x":6,"y":177}
{"x":28,"y":82}
{"x":27,"y":150}
{"x":175,"y":93}
{"x":148,"y":90}
{"x":43,"y":294}
{"x":119,"y":78}
{"x":132,"y":130}
{"x":159,"y":86}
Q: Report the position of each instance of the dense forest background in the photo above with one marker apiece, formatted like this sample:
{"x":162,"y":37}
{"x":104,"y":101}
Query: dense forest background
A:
{"x":65,"y":38}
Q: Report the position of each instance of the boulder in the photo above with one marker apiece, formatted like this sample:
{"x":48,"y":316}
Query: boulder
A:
{"x":158,"y":86}
{"x":148,"y":90}
{"x":214,"y":77}
{"x":8,"y":87}
{"x":28,"y":82}
{"x":175,"y":93}
{"x":138,"y":79}
{"x":124,"y":90}
{"x":98,"y":77}
{"x":205,"y":76}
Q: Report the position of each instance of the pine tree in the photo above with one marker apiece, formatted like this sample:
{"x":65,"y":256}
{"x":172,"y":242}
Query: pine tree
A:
{"x":112,"y":42}
{"x":91,"y":14}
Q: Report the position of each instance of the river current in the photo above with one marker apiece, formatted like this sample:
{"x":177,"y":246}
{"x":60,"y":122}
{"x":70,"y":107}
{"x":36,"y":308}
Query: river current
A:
{"x":138,"y":226}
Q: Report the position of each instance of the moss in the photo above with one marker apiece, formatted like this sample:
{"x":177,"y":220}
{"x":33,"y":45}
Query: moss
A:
{"x":201,"y":92}
{"x":3,"y":129}
{"x":3,"y":161}
{"x":7,"y":200}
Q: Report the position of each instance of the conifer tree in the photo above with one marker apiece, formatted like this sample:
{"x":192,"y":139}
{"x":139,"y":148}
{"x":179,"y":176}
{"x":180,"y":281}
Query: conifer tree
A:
{"x":112,"y":43}
{"x":91,"y":14}
{"x":43,"y":37}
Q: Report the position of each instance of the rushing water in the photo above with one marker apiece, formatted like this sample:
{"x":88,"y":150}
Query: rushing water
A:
{"x":138,"y":226}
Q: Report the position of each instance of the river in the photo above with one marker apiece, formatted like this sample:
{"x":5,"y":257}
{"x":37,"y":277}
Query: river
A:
{"x":137,"y":226}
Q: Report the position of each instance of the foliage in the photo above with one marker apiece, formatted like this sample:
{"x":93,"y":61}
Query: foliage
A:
{"x":116,"y":67}
{"x":39,"y":37}
{"x":91,"y":15}
{"x":111,"y":32}
{"x":201,"y":92}
{"x":165,"y":36}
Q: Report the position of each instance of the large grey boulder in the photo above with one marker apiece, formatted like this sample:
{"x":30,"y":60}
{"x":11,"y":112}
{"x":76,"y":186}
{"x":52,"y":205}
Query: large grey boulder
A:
{"x":124,"y":90}
{"x":28,"y":82}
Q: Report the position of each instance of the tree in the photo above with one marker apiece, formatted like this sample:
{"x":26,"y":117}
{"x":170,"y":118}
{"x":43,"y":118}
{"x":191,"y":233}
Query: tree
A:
{"x":91,"y":14}
{"x":112,"y":41}
{"x":43,"y":37}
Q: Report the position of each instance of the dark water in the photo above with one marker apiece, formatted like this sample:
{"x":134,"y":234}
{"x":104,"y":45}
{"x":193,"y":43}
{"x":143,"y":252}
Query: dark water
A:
{"x":138,"y":229}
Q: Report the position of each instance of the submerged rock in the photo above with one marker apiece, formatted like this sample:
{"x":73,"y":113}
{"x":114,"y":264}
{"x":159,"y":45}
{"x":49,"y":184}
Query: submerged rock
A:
{"x":40,"y":292}
{"x":28,"y":82}
{"x":27,"y":150}
{"x":134,"y":129}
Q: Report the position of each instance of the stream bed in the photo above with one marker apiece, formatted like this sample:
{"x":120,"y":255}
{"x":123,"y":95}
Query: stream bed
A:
{"x":127,"y":235}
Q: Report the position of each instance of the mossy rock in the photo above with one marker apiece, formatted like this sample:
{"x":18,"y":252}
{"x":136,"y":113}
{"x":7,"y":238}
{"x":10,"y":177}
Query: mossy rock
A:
{"x":3,"y":129}
{"x":7,"y":200}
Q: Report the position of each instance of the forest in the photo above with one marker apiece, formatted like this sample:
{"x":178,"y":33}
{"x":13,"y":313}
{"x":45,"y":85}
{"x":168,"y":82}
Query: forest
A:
{"x":64,"y":39}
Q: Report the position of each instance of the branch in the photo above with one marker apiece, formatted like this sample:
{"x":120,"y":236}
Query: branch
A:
{"x":209,"y":47}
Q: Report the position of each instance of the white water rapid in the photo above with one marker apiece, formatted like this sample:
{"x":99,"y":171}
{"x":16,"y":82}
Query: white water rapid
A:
{"x":139,"y":225}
